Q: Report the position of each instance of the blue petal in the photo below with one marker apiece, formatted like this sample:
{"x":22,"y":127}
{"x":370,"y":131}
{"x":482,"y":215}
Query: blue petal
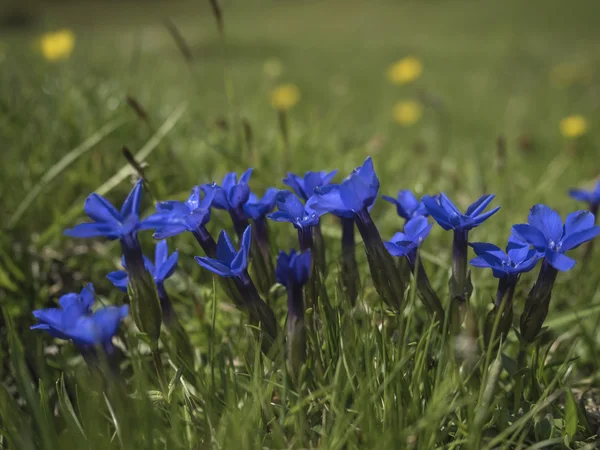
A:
{"x":169,"y":231}
{"x":328,"y":199}
{"x":448,"y":206}
{"x":119,"y":279}
{"x":302,"y":267}
{"x":415,"y":228}
{"x":225,"y":249}
{"x":581,"y":195}
{"x":54,"y":332}
{"x":392,"y":200}
{"x":517,"y":249}
{"x":282,"y":269}
{"x":100,"y":210}
{"x":107,"y":320}
{"x":407,"y":203}
{"x":214,"y":266}
{"x":478,"y":220}
{"x":193,"y":200}
{"x":529,"y":262}
{"x":579,"y":221}
{"x":483,"y":263}
{"x":238,"y":195}
{"x":131,"y":206}
{"x":50,"y":316}
{"x":480,"y":204}
{"x":354,"y":193}
{"x":240,"y":262}
{"x":396,"y":250}
{"x":161,"y":252}
{"x":198,"y":218}
{"x":399,"y":237}
{"x":88,"y":230}
{"x":87,"y":296}
{"x":532,"y":235}
{"x":210,"y":190}
{"x":229,"y":180}
{"x":171,"y":207}
{"x":245,"y":178}
{"x":576,"y":239}
{"x":482,"y":248}
{"x":560,"y":261}
{"x":288,"y":202}
{"x":166,"y":269}
{"x":282,"y":216}
{"x":547,"y":221}
{"x":437,"y":212}
{"x":219,"y":200}
{"x":297,"y":185}
{"x":69,"y":299}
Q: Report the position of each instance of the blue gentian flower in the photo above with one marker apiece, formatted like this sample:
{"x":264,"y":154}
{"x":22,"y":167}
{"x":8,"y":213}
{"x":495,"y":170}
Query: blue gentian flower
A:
{"x":354,"y":195}
{"x":407,"y":242}
{"x":304,"y":218}
{"x":448,"y":216}
{"x":353,"y":199}
{"x":257,"y":209}
{"x":109,"y":222}
{"x":174,"y":217}
{"x":546,"y":233}
{"x":228,"y":261}
{"x":231,"y":196}
{"x":518,"y":258}
{"x":163,"y":267}
{"x":304,"y":187}
{"x":407,"y":205}
{"x":591,"y":197}
{"x":293,"y":269}
{"x":74,"y":320}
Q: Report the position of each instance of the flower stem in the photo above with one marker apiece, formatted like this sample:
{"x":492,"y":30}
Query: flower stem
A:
{"x":296,"y":339}
{"x":206,"y":241}
{"x":350,"y":277}
{"x":538,"y":302}
{"x":426,"y":292}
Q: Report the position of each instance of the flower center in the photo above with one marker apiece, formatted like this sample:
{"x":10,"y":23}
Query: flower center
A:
{"x":555,"y":246}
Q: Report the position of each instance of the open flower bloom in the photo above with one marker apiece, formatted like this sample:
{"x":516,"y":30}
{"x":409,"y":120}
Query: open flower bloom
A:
{"x":592,"y":197}
{"x":292,"y":210}
{"x":407,"y":205}
{"x":109,"y":222}
{"x":74,"y":320}
{"x":163,"y":267}
{"x":257,"y":209}
{"x":407,"y":242}
{"x":546,"y":233}
{"x":293,"y":269}
{"x":304,"y":187}
{"x":519,"y":257}
{"x":355,"y":194}
{"x":232,"y":194}
{"x":174,"y":217}
{"x":228,"y":262}
{"x":448,"y":216}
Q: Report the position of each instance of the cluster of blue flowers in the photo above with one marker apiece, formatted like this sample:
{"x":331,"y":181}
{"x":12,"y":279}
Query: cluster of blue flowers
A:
{"x":544,"y":238}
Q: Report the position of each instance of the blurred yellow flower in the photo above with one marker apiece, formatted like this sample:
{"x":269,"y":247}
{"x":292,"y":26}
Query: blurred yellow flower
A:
{"x":573,"y":126}
{"x":57,"y":45}
{"x":273,"y":68}
{"x":405,"y":71}
{"x":407,"y":113}
{"x":285,"y":97}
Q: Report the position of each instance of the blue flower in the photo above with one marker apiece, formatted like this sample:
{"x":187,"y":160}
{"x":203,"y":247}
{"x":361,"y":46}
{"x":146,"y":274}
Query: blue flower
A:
{"x":292,"y":210}
{"x":519,"y":257}
{"x":228,"y":262}
{"x":447,"y":215}
{"x":257,"y":209}
{"x":407,"y":205}
{"x":415,"y":232}
{"x":162,"y":268}
{"x":293,"y":269}
{"x":231,"y":195}
{"x":591,"y":197}
{"x":109,"y":222}
{"x":305,"y":187}
{"x":175,"y":217}
{"x":546,"y":233}
{"x":357,"y":193}
{"x":74,"y":320}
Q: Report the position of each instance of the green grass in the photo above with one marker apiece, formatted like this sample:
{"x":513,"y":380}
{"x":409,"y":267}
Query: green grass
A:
{"x":486,"y":74}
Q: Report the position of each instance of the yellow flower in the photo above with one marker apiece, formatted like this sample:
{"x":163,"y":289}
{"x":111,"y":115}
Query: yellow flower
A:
{"x":273,"y":68}
{"x":285,"y":97}
{"x":406,"y":70}
{"x":407,"y":113}
{"x":573,"y":126}
{"x":57,"y":45}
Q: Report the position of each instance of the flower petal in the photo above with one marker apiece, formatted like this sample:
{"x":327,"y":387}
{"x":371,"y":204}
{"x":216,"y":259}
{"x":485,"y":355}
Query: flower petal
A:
{"x":245,"y":178}
{"x":240,"y":262}
{"x":579,"y":221}
{"x":193,"y":200}
{"x":161,"y":252}
{"x":560,"y":261}
{"x":297,"y":185}
{"x":532,"y":235}
{"x":238,"y":195}
{"x":396,"y":250}
{"x":119,"y":279}
{"x":288,"y":202}
{"x":547,"y":221}
{"x":327,"y":199}
{"x":101,"y":210}
{"x":229,"y":180}
{"x":214,"y":266}
{"x":88,"y":230}
{"x":478,"y":220}
{"x":415,"y":227}
{"x":87,"y":296}
{"x":448,"y":205}
{"x":581,"y":195}
{"x":169,"y":231}
{"x":480,"y":204}
{"x":576,"y":239}
{"x":437,"y":212}
{"x":50,"y":316}
{"x":166,"y":269}
{"x":225,"y":249}
{"x":131,"y":206}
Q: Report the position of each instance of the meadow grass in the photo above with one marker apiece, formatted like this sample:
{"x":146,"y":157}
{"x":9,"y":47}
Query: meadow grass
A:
{"x":505,"y":70}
